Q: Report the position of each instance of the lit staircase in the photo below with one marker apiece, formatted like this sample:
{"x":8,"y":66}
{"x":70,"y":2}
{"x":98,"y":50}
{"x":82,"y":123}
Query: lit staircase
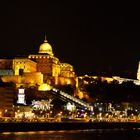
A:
{"x":73,"y":99}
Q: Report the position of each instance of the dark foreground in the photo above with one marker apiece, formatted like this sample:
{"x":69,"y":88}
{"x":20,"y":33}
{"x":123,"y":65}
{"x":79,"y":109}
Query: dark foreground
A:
{"x":23,"y":127}
{"x":90,"y":134}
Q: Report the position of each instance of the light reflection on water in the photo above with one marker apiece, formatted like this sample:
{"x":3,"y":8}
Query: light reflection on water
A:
{"x":92,"y":134}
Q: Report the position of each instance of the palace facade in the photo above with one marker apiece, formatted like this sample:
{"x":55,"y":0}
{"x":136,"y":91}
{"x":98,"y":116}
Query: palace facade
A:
{"x":42,"y":67}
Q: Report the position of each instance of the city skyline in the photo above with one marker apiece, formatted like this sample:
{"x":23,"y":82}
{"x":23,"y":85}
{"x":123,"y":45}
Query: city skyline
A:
{"x":94,"y":38}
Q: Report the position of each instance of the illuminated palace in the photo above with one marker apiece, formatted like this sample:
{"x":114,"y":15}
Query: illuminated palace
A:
{"x":41,"y":68}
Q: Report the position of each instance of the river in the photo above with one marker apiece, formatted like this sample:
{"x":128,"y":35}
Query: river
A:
{"x":93,"y":134}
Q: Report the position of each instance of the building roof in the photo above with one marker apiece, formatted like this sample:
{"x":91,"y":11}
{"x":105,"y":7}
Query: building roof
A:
{"x":45,"y":48}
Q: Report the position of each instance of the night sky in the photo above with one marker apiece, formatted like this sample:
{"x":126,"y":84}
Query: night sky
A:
{"x":96,"y":37}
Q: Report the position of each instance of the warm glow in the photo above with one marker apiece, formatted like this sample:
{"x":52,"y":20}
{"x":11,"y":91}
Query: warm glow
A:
{"x":23,"y":64}
{"x":19,"y":115}
{"x":39,"y":68}
{"x":45,"y":48}
{"x":0,"y":113}
{"x":80,"y":95}
{"x":108,"y":79}
{"x":44,"y":87}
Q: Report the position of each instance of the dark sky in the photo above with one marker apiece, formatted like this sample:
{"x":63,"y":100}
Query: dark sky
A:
{"x":96,"y":37}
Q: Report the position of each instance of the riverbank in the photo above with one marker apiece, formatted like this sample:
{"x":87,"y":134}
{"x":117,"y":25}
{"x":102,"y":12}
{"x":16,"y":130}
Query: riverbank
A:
{"x":23,"y":127}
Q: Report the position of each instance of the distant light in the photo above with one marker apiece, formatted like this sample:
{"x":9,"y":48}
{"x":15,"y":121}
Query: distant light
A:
{"x":44,"y":87}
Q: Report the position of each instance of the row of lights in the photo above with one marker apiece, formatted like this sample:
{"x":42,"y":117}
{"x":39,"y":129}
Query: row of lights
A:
{"x":38,"y":57}
{"x":72,"y":98}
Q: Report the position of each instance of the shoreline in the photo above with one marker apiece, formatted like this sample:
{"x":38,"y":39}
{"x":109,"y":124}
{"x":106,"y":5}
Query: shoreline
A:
{"x":41,"y":126}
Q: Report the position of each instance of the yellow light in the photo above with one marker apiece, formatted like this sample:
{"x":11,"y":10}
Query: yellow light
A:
{"x":44,"y":87}
{"x":45,"y":48}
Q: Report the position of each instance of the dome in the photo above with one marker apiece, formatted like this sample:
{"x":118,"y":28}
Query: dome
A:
{"x":45,"y":48}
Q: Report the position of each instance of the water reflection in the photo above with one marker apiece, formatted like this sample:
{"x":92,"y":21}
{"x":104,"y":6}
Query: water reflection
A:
{"x":73,"y":135}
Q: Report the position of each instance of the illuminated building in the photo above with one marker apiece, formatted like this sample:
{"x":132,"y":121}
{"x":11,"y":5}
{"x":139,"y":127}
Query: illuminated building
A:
{"x":21,"y":96}
{"x":36,"y":69}
{"x":70,"y":107}
{"x":43,"y":105}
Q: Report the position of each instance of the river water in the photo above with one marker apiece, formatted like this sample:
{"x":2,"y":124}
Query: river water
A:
{"x":73,"y":135}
